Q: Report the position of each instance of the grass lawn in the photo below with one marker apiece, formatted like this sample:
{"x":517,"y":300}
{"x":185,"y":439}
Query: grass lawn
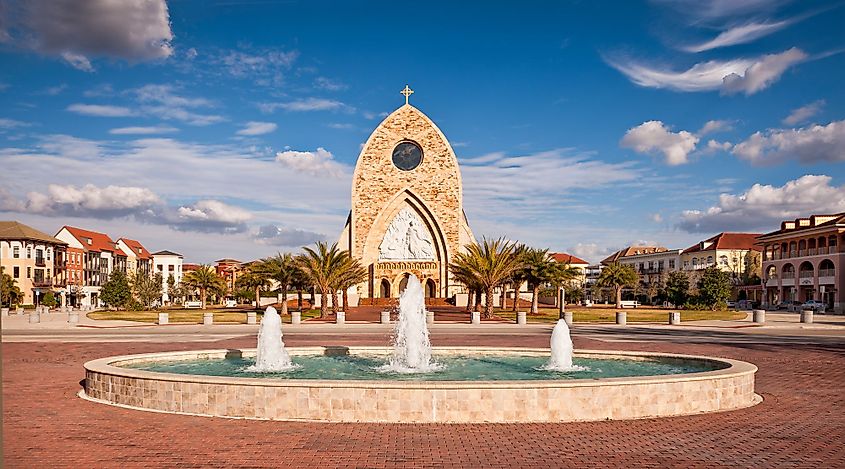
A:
{"x":190,"y":316}
{"x":604,"y":314}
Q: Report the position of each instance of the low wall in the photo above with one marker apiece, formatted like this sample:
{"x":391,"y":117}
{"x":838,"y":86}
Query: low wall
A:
{"x":422,"y":402}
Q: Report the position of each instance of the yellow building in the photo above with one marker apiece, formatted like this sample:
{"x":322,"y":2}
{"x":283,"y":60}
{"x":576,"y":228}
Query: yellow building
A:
{"x":35,"y":260}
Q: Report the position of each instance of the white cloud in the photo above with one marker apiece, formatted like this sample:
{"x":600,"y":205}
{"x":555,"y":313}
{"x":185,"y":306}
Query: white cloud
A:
{"x":267,"y":62}
{"x":77,"y":31}
{"x":715,"y":126}
{"x":101,"y":110}
{"x":11,"y":123}
{"x":328,"y":84}
{"x":157,"y":129}
{"x":763,"y":207}
{"x":316,"y":163}
{"x":90,"y":200}
{"x":656,"y":217}
{"x":257,"y":128}
{"x":738,"y":35}
{"x":590,"y":252}
{"x":714,"y":145}
{"x":700,"y":11}
{"x":813,"y":144}
{"x":212,"y":215}
{"x":163,"y":102}
{"x":803,"y":113}
{"x":733,"y":76}
{"x":305,"y":105}
{"x":765,"y":71}
{"x":653,"y":136}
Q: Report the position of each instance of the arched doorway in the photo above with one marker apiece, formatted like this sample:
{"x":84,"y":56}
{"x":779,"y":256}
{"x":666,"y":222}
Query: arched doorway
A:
{"x":403,"y":284}
{"x":430,"y":288}
{"x":384,"y":288}
{"x":805,"y":278}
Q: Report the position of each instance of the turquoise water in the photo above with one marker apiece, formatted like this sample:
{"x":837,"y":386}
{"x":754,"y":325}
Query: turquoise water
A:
{"x":452,"y":368}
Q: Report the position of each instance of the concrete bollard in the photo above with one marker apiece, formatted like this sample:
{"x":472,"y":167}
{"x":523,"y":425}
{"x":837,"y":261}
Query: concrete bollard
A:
{"x":163,"y":318}
{"x":341,"y":317}
{"x":5,"y":311}
{"x":45,"y":310}
{"x":476,"y":317}
{"x":251,"y":317}
{"x":759,"y":316}
{"x":807,"y":316}
{"x":385,"y":317}
{"x":567,"y":317}
{"x":621,"y":318}
{"x":207,"y":319}
{"x":521,"y":318}
{"x":296,"y":317}
{"x":674,"y":318}
{"x":34,"y":317}
{"x":429,"y":317}
{"x":19,"y":311}
{"x":73,"y":318}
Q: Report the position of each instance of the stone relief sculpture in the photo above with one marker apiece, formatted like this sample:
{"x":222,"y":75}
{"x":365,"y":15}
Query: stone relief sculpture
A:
{"x":407,"y":238}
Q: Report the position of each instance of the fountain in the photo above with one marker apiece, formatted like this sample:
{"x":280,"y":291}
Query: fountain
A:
{"x":561,"y":350}
{"x":271,"y":356}
{"x":411,"y":345}
{"x":396,"y":384}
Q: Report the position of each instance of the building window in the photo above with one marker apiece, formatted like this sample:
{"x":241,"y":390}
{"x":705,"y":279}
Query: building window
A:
{"x":17,"y":272}
{"x":48,"y":254}
{"x":48,"y":273}
{"x":660,"y":265}
{"x":16,"y":252}
{"x":709,"y":260}
{"x":723,"y":260}
{"x":170,"y":268}
{"x":160,"y":267}
{"x":29,"y":253}
{"x":686,"y":264}
{"x":29,"y":272}
{"x":671,"y":263}
{"x":695,"y":262}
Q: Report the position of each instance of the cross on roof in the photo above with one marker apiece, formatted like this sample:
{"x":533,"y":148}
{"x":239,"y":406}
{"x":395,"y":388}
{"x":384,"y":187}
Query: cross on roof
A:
{"x":407,"y":92}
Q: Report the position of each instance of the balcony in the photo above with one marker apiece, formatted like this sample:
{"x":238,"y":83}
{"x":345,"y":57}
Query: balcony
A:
{"x":42,"y":282}
{"x":39,"y":262}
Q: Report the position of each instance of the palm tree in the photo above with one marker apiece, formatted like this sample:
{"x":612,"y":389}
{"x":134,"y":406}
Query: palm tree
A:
{"x":255,"y":279}
{"x":538,"y":270}
{"x":487,"y":265}
{"x":464,"y":275}
{"x":322,"y":265}
{"x":351,"y":273}
{"x":284,"y":269}
{"x":518,"y":276}
{"x":9,"y":292}
{"x":618,"y":276}
{"x":204,"y":279}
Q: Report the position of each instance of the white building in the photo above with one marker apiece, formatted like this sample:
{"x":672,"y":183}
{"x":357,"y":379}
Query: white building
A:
{"x":167,"y":263}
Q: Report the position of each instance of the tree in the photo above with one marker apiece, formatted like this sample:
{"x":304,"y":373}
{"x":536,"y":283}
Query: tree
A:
{"x":322,"y":265}
{"x":116,"y":292}
{"x":714,"y":287}
{"x":618,"y":276}
{"x":146,"y":288}
{"x":351,"y":273}
{"x":487,"y":266}
{"x":9,"y":292}
{"x":677,"y":288}
{"x":173,"y":290}
{"x":255,"y":279}
{"x":206,"y":280}
{"x":49,"y":300}
{"x":518,"y":276}
{"x":284,"y":269}
{"x":538,"y":269}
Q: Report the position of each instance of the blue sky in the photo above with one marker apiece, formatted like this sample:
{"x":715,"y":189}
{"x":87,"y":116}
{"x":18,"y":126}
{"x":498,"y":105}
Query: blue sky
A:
{"x":230,"y":129}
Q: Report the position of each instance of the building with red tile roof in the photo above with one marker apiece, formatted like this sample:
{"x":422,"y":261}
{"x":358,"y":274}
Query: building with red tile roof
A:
{"x":34,"y":260}
{"x":93,"y":256}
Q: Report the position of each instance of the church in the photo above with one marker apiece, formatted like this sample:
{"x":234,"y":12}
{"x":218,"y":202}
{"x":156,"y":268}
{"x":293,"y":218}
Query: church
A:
{"x":407,"y":212}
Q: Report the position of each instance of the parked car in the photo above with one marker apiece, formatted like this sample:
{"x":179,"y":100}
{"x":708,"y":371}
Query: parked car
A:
{"x":813,"y":305}
{"x":732,"y":304}
{"x":787,"y":304}
{"x":231,"y":303}
{"x":192,"y":304}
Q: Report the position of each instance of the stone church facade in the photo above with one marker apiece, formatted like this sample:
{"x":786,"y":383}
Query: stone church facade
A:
{"x":407,"y":210}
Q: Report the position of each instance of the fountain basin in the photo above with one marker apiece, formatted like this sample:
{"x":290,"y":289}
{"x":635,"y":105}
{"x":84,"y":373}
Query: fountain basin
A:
{"x":552,"y":400}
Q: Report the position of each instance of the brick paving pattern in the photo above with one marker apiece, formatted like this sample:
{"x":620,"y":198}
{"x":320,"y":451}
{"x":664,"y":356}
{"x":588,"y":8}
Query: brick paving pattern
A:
{"x":801,"y":422}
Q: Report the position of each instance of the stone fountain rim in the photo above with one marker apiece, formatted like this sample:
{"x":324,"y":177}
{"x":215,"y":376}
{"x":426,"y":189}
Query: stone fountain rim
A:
{"x":110,"y":366}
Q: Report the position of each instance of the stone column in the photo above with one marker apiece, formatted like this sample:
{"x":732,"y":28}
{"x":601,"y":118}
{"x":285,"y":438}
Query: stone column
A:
{"x":385,"y":317}
{"x":296,"y":317}
{"x":207,"y":319}
{"x":19,"y":311}
{"x":73,"y":318}
{"x":674,"y":318}
{"x":341,"y":317}
{"x":521,"y":318}
{"x":567,"y":317}
{"x":252,"y":317}
{"x":807,"y":316}
{"x":816,"y":291}
{"x":476,"y":317}
{"x":759,"y":316}
{"x":429,"y":317}
{"x":621,"y":318}
{"x":5,"y":311}
{"x":163,"y":318}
